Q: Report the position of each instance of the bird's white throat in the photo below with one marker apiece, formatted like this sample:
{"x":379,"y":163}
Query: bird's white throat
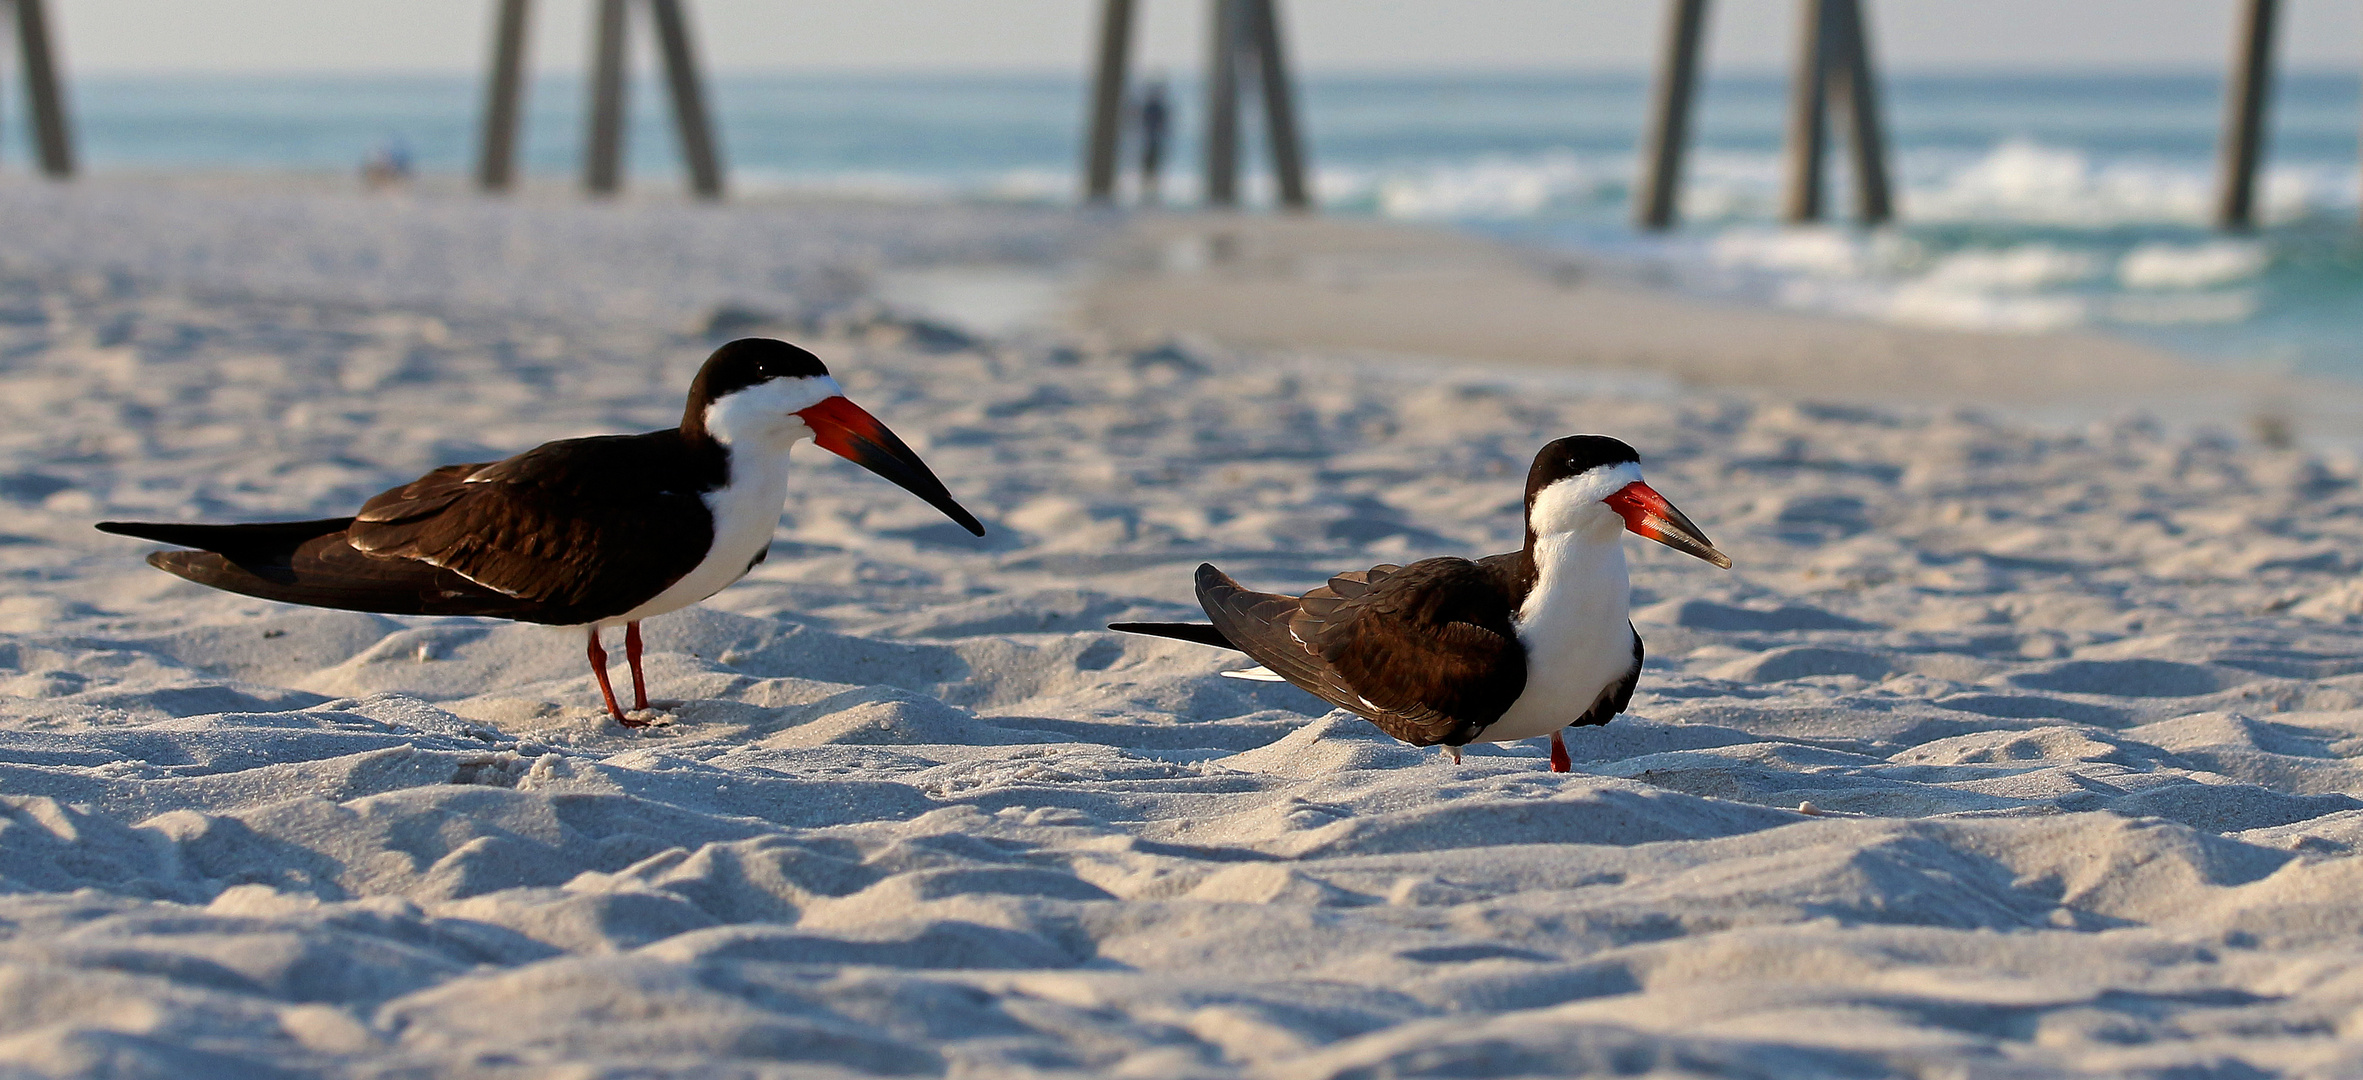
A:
{"x":756,"y":426}
{"x":1574,"y":504}
{"x":1574,"y":622}
{"x":764,"y":416}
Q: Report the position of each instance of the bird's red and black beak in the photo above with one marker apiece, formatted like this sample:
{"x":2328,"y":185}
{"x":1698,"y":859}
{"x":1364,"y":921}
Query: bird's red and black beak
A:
{"x":1648,"y":514}
{"x":850,"y":432}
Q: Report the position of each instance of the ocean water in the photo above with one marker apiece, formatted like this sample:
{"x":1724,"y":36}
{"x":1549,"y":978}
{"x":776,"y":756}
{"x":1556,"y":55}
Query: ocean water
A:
{"x":2028,"y":202}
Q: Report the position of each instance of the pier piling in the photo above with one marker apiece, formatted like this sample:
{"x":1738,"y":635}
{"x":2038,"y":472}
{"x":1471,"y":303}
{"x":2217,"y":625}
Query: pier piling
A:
{"x":1222,"y":103}
{"x":1834,"y":64}
{"x":1857,"y":85}
{"x":2244,"y":115}
{"x":1263,"y":34}
{"x":604,"y":144}
{"x":1246,"y":35}
{"x":1107,"y":101}
{"x":504,"y":98}
{"x":610,"y":99}
{"x":1669,"y":114}
{"x":52,"y":141}
{"x":690,"y":121}
{"x":1808,"y":113}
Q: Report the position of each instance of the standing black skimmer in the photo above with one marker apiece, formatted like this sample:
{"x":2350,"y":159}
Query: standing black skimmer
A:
{"x":597,"y":532}
{"x":1452,"y":651}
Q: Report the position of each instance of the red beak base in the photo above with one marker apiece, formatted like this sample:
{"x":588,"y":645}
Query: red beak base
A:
{"x":847,"y":430}
{"x":1649,"y":515}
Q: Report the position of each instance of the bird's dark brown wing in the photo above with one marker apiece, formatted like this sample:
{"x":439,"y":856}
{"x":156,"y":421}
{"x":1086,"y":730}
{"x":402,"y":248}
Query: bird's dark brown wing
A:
{"x":1428,"y":652}
{"x":573,"y":530}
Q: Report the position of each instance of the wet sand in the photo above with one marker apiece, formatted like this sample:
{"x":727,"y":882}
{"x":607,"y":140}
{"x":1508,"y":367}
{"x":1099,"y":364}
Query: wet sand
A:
{"x":1416,"y":292}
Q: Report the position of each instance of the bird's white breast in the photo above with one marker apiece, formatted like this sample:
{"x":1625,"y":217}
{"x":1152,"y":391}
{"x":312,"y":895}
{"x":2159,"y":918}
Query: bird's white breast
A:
{"x":746,"y":513}
{"x":1579,"y":642}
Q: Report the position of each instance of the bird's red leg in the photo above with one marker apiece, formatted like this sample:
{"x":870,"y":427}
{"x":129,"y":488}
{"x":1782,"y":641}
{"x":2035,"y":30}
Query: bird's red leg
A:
{"x":599,"y":668}
{"x":632,"y":657}
{"x":1559,"y":760}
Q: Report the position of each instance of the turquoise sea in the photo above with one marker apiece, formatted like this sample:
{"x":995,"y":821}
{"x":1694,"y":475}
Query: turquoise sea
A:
{"x":2029,"y":202}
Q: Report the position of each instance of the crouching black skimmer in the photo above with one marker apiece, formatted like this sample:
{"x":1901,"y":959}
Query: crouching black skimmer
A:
{"x":1452,"y":651}
{"x":592,"y":533}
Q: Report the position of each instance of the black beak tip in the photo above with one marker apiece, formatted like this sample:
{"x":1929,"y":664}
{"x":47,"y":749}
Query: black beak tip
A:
{"x":959,"y":514}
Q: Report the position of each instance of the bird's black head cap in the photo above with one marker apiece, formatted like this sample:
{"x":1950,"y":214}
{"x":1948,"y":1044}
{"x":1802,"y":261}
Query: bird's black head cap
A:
{"x":749,"y":362}
{"x":1575,"y":455}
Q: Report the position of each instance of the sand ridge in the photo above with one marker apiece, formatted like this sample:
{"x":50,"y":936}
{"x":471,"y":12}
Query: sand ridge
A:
{"x":2074,"y":712}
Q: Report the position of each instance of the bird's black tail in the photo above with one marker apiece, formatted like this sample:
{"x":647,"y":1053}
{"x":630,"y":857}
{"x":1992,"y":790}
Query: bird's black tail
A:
{"x":232,"y":540}
{"x":265,"y":552}
{"x":1197,"y":633}
{"x":309,"y":562}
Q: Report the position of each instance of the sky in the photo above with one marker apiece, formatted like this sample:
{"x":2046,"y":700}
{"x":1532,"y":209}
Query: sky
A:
{"x":272,"y":36}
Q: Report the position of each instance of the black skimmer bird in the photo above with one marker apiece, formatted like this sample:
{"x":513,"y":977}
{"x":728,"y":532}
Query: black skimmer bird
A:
{"x":592,"y":533}
{"x":1452,"y":651}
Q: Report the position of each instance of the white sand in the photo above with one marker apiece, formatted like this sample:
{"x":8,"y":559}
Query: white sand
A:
{"x":2076,"y":710}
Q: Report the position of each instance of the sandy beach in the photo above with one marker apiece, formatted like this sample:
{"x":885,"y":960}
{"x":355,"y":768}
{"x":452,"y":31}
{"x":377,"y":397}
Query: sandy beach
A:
{"x":2019,"y":742}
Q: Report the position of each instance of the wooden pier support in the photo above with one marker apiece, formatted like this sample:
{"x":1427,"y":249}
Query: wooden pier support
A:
{"x":52,"y":141}
{"x":1107,"y":101}
{"x":689,"y":100}
{"x":1808,"y":115}
{"x":1856,"y":86}
{"x":1834,"y":64}
{"x":610,"y":100}
{"x":1222,"y":103}
{"x":1263,"y":35}
{"x":1246,"y":36}
{"x":603,"y":153}
{"x":504,"y":98}
{"x":1669,"y":114}
{"x":2244,"y":115}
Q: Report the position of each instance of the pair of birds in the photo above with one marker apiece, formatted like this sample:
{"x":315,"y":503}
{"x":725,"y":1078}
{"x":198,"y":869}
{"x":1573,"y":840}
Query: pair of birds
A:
{"x":607,"y":531}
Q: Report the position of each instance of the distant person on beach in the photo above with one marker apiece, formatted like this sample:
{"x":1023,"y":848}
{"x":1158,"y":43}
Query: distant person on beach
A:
{"x":387,"y":166}
{"x":1152,"y":115}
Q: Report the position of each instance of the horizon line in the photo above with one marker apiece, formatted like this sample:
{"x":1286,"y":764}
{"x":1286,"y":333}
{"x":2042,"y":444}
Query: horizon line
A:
{"x":1188,"y":72}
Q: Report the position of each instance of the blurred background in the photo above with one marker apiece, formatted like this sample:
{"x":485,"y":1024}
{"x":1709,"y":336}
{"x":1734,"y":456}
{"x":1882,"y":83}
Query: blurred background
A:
{"x":2055,"y":163}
